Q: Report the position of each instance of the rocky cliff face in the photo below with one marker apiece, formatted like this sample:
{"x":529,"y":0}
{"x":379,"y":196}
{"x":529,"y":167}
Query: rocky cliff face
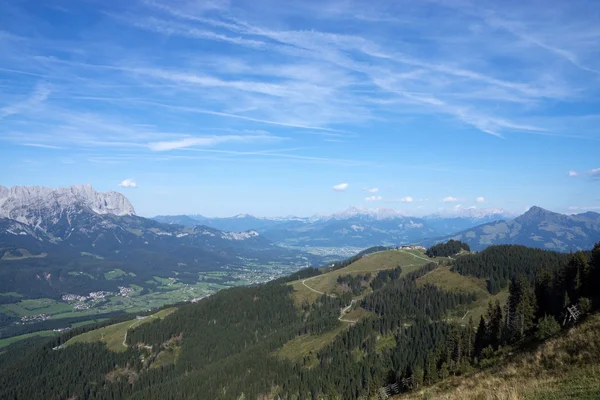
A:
{"x":39,"y":206}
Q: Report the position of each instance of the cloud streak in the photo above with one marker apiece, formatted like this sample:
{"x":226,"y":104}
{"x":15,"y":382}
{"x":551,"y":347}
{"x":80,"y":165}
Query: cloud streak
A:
{"x":208,"y":141}
{"x":449,"y":199}
{"x":340,"y":187}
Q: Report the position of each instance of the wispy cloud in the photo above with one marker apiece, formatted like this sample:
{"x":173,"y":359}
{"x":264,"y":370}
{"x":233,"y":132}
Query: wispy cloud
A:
{"x":449,"y":199}
{"x":593,"y":174}
{"x":373,"y":198}
{"x":480,"y":199}
{"x":340,"y":187}
{"x":38,"y":96}
{"x":43,"y":146}
{"x":128,"y":183}
{"x":371,"y":190}
{"x":209,"y":141}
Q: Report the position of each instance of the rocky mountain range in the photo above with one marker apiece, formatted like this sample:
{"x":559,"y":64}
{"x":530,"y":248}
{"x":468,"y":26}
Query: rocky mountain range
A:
{"x":78,"y":229}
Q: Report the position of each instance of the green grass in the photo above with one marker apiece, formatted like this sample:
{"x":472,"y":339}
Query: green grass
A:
{"x":92,"y":321}
{"x":77,"y":273}
{"x":385,"y":342}
{"x":114,"y":274}
{"x":326,"y":283}
{"x":305,"y":345}
{"x":11,"y":294}
{"x":114,"y":335}
{"x":11,"y":340}
{"x":12,"y":256}
{"x":35,"y":307}
{"x":445,"y":279}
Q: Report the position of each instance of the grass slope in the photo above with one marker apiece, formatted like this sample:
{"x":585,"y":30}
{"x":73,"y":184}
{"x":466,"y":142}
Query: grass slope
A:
{"x":445,"y":279}
{"x":310,"y":289}
{"x":564,"y":367}
{"x":114,"y":335}
{"x":8,"y":341}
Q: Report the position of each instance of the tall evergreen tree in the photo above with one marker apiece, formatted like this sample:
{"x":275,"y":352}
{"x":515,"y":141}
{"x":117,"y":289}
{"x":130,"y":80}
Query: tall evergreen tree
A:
{"x":481,"y":337}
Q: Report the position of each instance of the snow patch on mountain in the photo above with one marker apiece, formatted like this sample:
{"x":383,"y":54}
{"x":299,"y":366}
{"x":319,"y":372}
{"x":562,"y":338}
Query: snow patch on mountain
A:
{"x":239,"y":235}
{"x":362,"y":212}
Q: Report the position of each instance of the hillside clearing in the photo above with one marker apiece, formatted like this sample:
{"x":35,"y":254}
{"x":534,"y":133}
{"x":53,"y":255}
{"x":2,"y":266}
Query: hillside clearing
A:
{"x":115,"y":335}
{"x":446,"y":279}
{"x":308,"y":290}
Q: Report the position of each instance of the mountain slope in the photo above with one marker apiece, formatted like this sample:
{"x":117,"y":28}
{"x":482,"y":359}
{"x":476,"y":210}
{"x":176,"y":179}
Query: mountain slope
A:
{"x":255,"y":342}
{"x":565,"y":367}
{"x":536,"y":228}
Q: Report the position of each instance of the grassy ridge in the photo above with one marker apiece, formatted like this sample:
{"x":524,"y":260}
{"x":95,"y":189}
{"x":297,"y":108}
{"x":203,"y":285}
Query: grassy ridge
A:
{"x":305,"y":345}
{"x":565,"y":367}
{"x":114,"y":335}
{"x":446,"y":279}
{"x":326,"y":283}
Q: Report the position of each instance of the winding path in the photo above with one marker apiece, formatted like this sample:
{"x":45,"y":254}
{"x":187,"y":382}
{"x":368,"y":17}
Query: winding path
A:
{"x":343,"y":311}
{"x":416,"y":256}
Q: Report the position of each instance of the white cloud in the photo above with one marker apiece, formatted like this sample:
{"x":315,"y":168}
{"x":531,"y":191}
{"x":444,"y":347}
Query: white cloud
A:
{"x":595,"y":173}
{"x":128,"y":183}
{"x":208,"y":141}
{"x":457,"y":206}
{"x":449,"y":199}
{"x":340,"y":187}
{"x":573,"y":173}
{"x":373,"y":198}
{"x":372,"y":190}
{"x":407,"y":199}
{"x":480,"y":199}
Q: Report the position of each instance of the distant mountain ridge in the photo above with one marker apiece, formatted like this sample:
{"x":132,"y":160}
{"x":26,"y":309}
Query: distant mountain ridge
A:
{"x":536,"y":228}
{"x":356,"y":226}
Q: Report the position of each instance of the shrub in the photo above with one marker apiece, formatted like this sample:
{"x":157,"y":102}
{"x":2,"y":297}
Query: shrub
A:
{"x":547,"y":327}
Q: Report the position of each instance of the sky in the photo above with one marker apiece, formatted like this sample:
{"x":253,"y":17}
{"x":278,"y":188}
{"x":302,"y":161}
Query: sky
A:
{"x":279,"y":108}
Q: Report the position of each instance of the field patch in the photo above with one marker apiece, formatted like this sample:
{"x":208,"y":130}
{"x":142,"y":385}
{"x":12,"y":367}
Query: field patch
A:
{"x":31,"y":307}
{"x":114,"y":274}
{"x":307,"y":346}
{"x":20,"y":254}
{"x":11,"y":340}
{"x":444,"y":278}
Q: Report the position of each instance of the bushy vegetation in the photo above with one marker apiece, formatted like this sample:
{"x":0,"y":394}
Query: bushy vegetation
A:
{"x":450,"y":248}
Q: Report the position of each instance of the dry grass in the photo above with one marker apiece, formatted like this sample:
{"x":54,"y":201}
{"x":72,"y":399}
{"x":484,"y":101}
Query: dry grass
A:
{"x":565,"y":367}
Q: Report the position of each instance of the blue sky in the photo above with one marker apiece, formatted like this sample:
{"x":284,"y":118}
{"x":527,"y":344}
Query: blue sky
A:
{"x":267,"y":107}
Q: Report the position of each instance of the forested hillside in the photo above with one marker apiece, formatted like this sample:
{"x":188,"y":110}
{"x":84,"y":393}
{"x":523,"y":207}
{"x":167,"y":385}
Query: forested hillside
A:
{"x":381,"y":330}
